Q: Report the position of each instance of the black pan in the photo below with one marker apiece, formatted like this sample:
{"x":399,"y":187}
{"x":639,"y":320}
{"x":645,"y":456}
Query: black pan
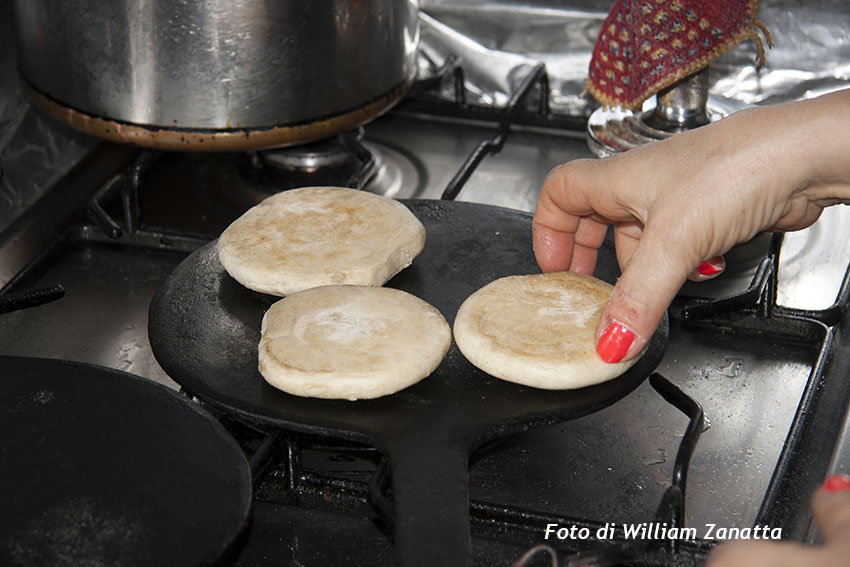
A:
{"x":205,"y":327}
{"x":99,"y":467}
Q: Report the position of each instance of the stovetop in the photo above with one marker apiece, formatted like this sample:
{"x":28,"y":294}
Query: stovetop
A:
{"x":750,"y":376}
{"x":766,"y":367}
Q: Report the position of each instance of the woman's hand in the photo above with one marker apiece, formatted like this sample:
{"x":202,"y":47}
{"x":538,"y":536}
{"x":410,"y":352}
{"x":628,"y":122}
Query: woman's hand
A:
{"x":831,"y":507}
{"x":677,"y":205}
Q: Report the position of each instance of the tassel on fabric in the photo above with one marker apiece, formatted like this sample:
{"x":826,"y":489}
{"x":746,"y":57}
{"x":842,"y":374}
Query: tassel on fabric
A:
{"x":760,"y":55}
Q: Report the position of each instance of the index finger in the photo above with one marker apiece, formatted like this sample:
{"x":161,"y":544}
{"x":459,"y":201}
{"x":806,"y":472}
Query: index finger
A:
{"x":566,"y":232}
{"x":558,"y":251}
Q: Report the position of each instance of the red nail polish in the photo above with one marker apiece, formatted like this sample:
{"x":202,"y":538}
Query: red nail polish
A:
{"x":837,"y":483}
{"x":708,"y":269}
{"x":614,"y":342}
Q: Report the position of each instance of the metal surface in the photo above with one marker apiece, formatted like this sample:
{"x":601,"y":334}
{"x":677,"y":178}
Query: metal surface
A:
{"x":810,"y":55}
{"x":613,"y":130}
{"x":36,"y":158}
{"x":220,"y":140}
{"x":12,"y":101}
{"x":671,"y":510}
{"x":813,"y":261}
{"x":681,"y":106}
{"x":24,"y":300}
{"x":499,"y":41}
{"x":536,"y":75}
{"x":34,"y":233}
{"x":512,"y":179}
{"x":102,"y":319}
{"x":104,"y":468}
{"x":215,"y":71}
{"x":750,"y":391}
{"x":204,"y":330}
{"x":285,"y":535}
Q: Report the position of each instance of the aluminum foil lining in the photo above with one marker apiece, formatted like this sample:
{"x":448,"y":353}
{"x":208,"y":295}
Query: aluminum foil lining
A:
{"x":499,"y":40}
{"x":34,"y":151}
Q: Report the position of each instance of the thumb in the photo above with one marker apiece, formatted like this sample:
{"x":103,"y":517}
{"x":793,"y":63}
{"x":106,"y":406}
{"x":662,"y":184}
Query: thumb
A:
{"x":650,"y":280}
{"x":831,"y":507}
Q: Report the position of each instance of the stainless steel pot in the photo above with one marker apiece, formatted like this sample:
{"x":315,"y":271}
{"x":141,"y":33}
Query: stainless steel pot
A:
{"x":216,"y":74}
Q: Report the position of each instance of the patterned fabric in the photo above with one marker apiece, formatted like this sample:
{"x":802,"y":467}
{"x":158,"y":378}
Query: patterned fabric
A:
{"x":647,"y":45}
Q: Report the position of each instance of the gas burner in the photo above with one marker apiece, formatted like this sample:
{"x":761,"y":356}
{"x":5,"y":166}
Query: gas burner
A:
{"x":344,"y":161}
{"x":312,"y":158}
{"x":682,"y":106}
{"x":217,"y":188}
{"x":339,"y":161}
{"x":399,"y":174}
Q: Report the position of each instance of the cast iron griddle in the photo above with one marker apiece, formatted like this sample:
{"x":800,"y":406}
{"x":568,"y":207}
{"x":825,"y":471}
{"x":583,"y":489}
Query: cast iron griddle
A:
{"x":103,"y":468}
{"x":205,"y":328}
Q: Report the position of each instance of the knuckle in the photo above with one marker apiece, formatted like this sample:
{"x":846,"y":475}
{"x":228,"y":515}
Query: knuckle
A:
{"x":566,"y":174}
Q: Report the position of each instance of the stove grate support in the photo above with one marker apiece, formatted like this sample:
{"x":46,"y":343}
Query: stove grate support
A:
{"x":802,"y":462}
{"x":25,"y":299}
{"x":537,"y":76}
{"x":760,"y":296}
{"x":670,"y":511}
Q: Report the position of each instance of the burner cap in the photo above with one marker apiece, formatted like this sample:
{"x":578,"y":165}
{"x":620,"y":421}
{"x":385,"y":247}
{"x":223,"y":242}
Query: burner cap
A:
{"x":342,"y":161}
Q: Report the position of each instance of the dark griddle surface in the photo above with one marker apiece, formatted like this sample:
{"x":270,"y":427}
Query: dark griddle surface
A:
{"x":204,"y":331}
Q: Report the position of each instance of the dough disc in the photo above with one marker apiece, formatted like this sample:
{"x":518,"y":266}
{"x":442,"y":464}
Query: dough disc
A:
{"x":317,"y":236}
{"x":537,"y":330}
{"x":351,"y":342}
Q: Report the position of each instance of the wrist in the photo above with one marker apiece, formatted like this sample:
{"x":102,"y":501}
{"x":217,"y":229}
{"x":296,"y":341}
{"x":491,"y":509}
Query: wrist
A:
{"x":824,"y":146}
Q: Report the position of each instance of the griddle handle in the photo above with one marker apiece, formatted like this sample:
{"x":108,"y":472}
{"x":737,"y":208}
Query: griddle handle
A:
{"x":431,"y":504}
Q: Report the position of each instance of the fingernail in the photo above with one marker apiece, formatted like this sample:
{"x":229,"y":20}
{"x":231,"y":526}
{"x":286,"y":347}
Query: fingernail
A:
{"x":837,"y":483}
{"x":614,"y":342}
{"x":708,"y":269}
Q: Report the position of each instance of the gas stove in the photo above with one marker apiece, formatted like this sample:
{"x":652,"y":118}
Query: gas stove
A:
{"x":746,"y":415}
{"x":765,"y":364}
